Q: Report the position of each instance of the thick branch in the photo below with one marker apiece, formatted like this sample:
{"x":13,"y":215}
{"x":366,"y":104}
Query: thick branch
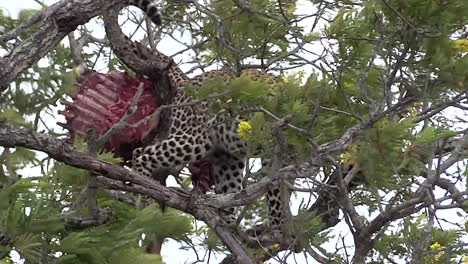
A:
{"x":58,"y":21}
{"x":115,"y":177}
{"x":415,"y":204}
{"x":126,"y":51}
{"x":61,"y":151}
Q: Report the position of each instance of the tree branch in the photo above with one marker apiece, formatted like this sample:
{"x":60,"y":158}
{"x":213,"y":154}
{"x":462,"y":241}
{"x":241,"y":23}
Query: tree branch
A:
{"x":61,"y":151}
{"x":57,"y":22}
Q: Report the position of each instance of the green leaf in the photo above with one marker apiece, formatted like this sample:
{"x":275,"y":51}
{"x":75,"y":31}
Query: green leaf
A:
{"x":44,"y":218}
{"x":13,"y":117}
{"x":83,"y":245}
{"x":27,"y":245}
{"x":26,"y":13}
{"x":6,"y":260}
{"x":431,"y":134}
{"x":24,"y":156}
{"x":171,"y":223}
{"x":110,"y":157}
{"x":212,"y":240}
{"x":134,"y":255}
{"x":9,"y":193}
{"x":445,"y":237}
{"x":247,"y":90}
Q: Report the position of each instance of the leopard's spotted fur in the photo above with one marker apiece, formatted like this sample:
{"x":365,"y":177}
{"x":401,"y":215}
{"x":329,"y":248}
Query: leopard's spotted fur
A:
{"x":194,"y":134}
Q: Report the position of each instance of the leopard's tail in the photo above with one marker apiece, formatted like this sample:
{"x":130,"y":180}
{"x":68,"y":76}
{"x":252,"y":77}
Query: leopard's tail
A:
{"x":150,"y":9}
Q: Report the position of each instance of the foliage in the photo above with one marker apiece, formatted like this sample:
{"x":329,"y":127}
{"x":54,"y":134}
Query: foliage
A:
{"x":407,"y":241}
{"x":398,"y":68}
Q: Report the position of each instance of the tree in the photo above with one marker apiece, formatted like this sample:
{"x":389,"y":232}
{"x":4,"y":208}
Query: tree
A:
{"x":368,"y":128}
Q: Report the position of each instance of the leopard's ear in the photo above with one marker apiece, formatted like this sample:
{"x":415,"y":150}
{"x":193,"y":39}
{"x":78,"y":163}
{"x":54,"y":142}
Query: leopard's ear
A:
{"x":150,"y":8}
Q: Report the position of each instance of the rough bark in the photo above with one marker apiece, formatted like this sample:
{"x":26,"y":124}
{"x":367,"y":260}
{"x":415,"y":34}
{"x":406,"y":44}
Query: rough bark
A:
{"x":57,"y":22}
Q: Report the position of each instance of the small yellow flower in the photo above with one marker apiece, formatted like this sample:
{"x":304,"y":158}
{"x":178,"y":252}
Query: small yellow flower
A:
{"x":435,"y":258}
{"x":273,"y":247}
{"x":464,"y":259}
{"x":461,"y":45}
{"x":349,"y":157}
{"x":436,"y":246}
{"x":244,"y":130}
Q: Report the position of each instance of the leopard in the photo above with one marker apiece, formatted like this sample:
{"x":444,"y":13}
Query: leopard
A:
{"x":196,"y":134}
{"x":150,"y":8}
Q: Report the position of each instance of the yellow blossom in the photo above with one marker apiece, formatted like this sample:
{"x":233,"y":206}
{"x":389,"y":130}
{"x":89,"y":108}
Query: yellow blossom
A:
{"x":349,"y":157}
{"x":436,"y":246}
{"x":464,"y":259}
{"x":274,"y":247}
{"x":244,"y":130}
{"x":436,"y":257}
{"x":413,"y":111}
{"x":461,"y":45}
